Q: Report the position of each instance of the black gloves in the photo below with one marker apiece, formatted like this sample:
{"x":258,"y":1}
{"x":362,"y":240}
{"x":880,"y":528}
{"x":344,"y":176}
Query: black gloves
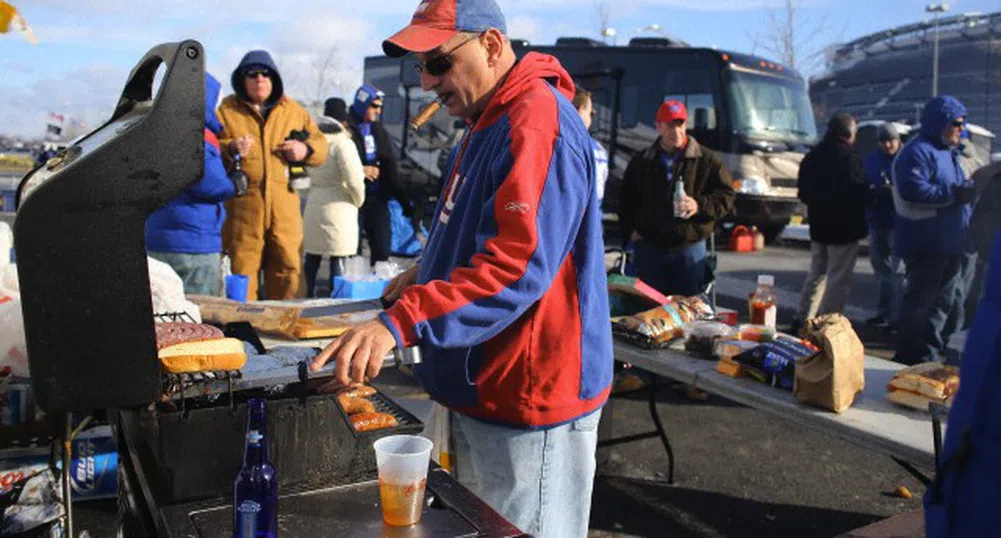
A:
{"x":967,"y":194}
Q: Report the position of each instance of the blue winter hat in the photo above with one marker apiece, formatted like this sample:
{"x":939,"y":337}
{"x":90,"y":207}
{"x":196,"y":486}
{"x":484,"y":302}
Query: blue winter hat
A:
{"x":363,"y":99}
{"x":938,"y":113}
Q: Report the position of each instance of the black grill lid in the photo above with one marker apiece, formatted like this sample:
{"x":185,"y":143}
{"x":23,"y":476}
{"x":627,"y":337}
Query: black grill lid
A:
{"x":80,"y":239}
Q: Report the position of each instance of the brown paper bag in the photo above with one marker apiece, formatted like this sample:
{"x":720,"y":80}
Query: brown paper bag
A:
{"x":833,"y":377}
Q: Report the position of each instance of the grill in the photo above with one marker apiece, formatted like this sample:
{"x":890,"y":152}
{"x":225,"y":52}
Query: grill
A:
{"x":195,"y":452}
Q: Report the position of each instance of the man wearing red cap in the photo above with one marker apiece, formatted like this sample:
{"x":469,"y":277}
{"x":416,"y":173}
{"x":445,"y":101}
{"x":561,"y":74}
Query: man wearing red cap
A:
{"x":672,"y":195}
{"x":508,"y":303}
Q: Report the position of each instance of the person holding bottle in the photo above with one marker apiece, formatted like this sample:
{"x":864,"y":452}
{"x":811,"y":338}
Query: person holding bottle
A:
{"x":263,"y":228}
{"x":675,"y":172}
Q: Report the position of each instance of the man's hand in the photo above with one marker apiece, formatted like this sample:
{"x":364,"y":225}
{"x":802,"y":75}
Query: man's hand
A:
{"x":293,"y":151}
{"x":688,"y":207}
{"x":635,"y":237}
{"x":241,"y":145}
{"x":358,"y":353}
{"x":399,"y":283}
{"x":371,"y":172}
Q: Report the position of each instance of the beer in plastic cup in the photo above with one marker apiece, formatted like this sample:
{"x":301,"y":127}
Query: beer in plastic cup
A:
{"x":402,"y":461}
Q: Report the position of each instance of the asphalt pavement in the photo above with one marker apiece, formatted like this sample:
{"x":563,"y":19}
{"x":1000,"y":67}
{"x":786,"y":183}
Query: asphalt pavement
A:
{"x":740,"y":472}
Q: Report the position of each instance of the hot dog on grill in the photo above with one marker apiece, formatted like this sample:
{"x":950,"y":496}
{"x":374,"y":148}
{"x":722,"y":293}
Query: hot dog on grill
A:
{"x":353,"y":405}
{"x":364,"y":422}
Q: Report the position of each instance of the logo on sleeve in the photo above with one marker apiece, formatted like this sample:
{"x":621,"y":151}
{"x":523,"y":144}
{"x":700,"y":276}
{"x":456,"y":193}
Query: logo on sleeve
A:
{"x":517,"y":207}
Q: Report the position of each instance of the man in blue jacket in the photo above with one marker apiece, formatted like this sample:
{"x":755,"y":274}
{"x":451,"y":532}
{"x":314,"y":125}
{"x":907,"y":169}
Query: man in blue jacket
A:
{"x":931,"y":233}
{"x":187,"y":233}
{"x":879,"y":171}
{"x":508,"y":303}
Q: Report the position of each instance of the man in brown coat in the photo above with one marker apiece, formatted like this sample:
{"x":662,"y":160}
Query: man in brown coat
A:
{"x":672,"y":195}
{"x":264,"y":227}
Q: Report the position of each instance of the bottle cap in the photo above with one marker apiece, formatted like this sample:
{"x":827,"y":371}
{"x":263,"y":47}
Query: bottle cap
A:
{"x":766,"y":280}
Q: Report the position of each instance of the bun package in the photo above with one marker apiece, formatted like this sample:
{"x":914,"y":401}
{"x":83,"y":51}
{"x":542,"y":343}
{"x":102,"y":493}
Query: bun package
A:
{"x":658,"y":327}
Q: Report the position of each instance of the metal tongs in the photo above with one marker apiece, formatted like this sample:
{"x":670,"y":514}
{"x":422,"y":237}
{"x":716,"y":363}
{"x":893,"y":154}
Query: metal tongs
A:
{"x":405,"y":359}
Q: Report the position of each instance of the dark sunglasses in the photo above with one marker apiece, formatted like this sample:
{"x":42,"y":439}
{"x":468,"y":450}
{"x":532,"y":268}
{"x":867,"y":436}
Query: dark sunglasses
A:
{"x":959,"y":123}
{"x":258,"y":72}
{"x":375,"y":106}
{"x":439,"y":65}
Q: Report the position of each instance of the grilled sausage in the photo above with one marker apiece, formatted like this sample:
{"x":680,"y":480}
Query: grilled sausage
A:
{"x":364,"y":422}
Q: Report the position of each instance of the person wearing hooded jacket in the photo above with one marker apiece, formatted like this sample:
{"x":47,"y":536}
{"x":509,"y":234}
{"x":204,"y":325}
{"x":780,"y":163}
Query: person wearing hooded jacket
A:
{"x":264,"y":227}
{"x":381,"y":174}
{"x":338,"y":190}
{"x":508,"y":302}
{"x":186,"y":234}
{"x":932,"y":232}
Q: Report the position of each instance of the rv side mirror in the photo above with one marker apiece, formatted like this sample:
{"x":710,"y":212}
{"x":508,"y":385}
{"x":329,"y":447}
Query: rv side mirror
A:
{"x":701,"y":119}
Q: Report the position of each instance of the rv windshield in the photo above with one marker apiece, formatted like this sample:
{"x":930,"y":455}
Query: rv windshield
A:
{"x":770,"y":107}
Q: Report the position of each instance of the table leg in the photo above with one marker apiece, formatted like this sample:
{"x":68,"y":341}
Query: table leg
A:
{"x":660,"y":428}
{"x":923,"y":478}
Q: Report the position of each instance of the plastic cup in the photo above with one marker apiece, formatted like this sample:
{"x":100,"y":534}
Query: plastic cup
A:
{"x":402,"y":461}
{"x":236,"y":287}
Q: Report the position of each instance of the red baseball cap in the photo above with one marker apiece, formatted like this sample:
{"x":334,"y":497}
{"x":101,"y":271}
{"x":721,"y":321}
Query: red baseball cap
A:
{"x":436,"y":21}
{"x":672,"y":110}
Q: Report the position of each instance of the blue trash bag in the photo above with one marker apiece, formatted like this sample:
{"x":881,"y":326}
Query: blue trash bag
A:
{"x":404,"y":240}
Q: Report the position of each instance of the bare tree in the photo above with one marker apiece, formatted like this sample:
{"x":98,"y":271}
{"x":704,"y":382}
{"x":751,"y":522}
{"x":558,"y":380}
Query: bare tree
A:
{"x":325,"y":69}
{"x":791,"y":37}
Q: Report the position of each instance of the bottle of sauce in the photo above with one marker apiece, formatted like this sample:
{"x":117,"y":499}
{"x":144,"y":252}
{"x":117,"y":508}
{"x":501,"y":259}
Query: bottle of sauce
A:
{"x":763,"y":307}
{"x":255,"y":491}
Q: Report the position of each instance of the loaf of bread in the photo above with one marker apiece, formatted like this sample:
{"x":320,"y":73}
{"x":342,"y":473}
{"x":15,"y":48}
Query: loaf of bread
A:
{"x":917,"y":386}
{"x":353,"y":405}
{"x":364,"y":422}
{"x":203,"y":356}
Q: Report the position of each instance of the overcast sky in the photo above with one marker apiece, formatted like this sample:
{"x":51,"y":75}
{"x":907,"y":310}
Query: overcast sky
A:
{"x":86,"y":50}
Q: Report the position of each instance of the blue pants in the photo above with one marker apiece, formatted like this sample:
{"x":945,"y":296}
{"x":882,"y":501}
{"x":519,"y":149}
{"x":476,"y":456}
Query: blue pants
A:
{"x":889,"y":271}
{"x":540,"y":480}
{"x":676,"y":272}
{"x":933,"y":304}
{"x":312,"y":267}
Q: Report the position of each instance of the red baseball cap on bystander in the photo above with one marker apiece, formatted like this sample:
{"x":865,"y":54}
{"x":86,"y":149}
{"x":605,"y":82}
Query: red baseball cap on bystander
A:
{"x":672,"y":110}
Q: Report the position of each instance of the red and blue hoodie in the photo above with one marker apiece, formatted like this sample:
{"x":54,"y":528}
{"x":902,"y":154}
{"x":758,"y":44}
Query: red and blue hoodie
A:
{"x":510,"y":308}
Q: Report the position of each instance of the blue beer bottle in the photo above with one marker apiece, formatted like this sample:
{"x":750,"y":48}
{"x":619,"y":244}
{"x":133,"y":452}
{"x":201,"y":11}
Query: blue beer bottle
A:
{"x":255,"y":492}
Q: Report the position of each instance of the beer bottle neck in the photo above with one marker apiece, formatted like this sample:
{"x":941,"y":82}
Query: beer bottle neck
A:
{"x":257,"y":438}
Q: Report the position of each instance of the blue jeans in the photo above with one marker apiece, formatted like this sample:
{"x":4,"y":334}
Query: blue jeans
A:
{"x":540,"y":480}
{"x":674,"y":272}
{"x":933,"y":306}
{"x":889,"y":271}
{"x":200,"y":273}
